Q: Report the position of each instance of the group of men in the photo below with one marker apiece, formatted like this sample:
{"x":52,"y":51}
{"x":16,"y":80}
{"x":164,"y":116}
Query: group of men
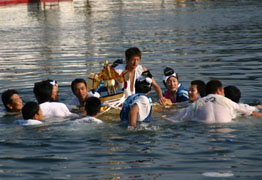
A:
{"x":213,"y":107}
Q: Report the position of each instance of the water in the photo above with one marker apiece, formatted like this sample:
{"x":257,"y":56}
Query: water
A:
{"x":199,"y":39}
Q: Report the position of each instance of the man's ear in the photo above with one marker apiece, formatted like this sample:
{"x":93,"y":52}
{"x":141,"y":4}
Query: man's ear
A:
{"x":220,"y":91}
{"x":9,"y":106}
{"x":35,"y":116}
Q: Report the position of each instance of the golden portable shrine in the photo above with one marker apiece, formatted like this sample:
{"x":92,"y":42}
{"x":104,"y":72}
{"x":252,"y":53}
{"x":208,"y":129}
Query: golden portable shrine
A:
{"x":107,"y":80}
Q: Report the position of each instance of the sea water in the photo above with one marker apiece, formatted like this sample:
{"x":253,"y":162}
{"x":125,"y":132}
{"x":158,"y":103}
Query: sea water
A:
{"x":200,"y":39}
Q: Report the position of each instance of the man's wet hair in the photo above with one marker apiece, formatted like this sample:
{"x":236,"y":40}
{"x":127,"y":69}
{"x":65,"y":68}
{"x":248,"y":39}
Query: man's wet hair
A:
{"x":212,"y":86}
{"x":6,"y":97}
{"x":133,"y":51}
{"x":201,"y":87}
{"x":76,"y":81}
{"x":233,"y":93}
{"x":43,"y":91}
{"x":92,"y":106}
{"x":30,"y":109}
{"x":117,"y":62}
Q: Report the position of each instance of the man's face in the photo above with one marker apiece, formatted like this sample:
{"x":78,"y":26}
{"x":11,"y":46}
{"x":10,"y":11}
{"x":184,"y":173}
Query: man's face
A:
{"x":80,"y":91}
{"x":172,"y":84}
{"x":55,"y":93}
{"x":17,"y":103}
{"x":193,"y":93}
{"x":133,"y":62}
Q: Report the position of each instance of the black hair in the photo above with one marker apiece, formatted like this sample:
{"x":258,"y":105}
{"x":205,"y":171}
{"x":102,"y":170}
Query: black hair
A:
{"x":52,"y":82}
{"x":212,"y":86}
{"x":76,"y":81}
{"x":43,"y":91}
{"x":142,"y":86}
{"x":133,"y":51}
{"x":92,"y":106}
{"x":233,"y":93}
{"x":117,"y":62}
{"x":6,"y":97}
{"x":201,"y":87}
{"x":30,"y":109}
{"x":147,"y":74}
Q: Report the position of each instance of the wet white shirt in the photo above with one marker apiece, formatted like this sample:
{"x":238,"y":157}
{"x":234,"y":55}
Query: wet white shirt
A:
{"x":55,"y":109}
{"x":88,"y":119}
{"x":214,"y":109}
{"x":28,"y":122}
{"x":144,"y":106}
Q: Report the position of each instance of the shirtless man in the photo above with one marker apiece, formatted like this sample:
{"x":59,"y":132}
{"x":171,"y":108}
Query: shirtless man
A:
{"x":133,"y":57}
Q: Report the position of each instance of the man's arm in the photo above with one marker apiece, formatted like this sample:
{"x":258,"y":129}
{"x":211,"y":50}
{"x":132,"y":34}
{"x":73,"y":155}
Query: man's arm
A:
{"x":256,"y":114}
{"x":157,"y":89}
{"x":259,"y":106}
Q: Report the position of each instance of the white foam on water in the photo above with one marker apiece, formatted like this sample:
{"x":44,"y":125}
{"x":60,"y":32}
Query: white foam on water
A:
{"x":218,"y":174}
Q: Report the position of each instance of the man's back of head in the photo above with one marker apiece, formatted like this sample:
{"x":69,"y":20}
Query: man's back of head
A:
{"x":233,"y":93}
{"x":213,"y":86}
{"x":92,"y":106}
{"x":43,"y":91}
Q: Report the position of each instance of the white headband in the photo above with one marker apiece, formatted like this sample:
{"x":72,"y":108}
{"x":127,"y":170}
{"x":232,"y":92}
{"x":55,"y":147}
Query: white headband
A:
{"x":54,"y":83}
{"x":166,"y":77}
{"x":143,"y":78}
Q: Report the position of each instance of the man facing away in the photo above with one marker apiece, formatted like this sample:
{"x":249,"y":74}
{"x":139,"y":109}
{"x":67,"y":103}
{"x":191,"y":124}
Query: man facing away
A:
{"x":92,"y":108}
{"x":215,"y":108}
{"x":43,"y":94}
{"x":137,"y":108}
{"x":32,"y":114}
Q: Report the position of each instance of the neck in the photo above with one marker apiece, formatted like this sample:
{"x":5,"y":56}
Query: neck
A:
{"x":82,"y":102}
{"x":130,"y":69}
{"x":95,"y":116}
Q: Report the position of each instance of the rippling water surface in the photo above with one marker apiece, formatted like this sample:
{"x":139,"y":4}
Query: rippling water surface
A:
{"x":200,"y":39}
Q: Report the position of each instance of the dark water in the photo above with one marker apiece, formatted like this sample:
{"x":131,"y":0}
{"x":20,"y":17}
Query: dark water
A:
{"x":199,"y":39}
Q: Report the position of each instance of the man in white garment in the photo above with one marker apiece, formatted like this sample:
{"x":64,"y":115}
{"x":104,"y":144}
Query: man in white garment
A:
{"x":133,"y":57}
{"x":92,"y":107}
{"x":43,"y":94}
{"x":215,"y":108}
{"x":32,"y":114}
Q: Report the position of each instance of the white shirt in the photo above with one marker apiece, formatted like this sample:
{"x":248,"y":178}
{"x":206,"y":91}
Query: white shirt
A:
{"x":28,"y":122}
{"x":55,"y":109}
{"x":88,"y":119}
{"x":214,"y":109}
{"x":138,"y":71}
{"x":144,"y":106}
